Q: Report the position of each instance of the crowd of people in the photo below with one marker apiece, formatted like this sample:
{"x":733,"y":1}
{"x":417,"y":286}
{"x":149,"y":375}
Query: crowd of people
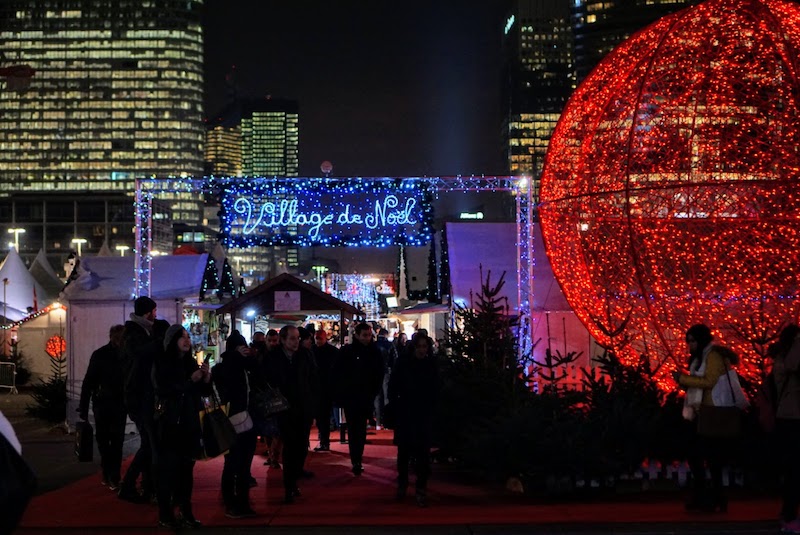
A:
{"x":148,"y":373}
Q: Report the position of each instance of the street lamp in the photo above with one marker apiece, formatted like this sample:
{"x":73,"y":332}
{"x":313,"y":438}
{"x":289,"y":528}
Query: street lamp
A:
{"x":16,"y":232}
{"x":122,"y":249}
{"x":79,"y":242}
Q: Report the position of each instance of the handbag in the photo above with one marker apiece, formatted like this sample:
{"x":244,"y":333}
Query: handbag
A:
{"x":241,"y":420}
{"x":217,"y":431}
{"x":17,"y":484}
{"x":84,"y":445}
{"x":268,"y":402}
{"x":720,"y":422}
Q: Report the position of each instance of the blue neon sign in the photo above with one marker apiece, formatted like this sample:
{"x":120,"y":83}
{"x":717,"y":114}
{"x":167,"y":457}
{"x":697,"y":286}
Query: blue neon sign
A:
{"x":328,"y":212}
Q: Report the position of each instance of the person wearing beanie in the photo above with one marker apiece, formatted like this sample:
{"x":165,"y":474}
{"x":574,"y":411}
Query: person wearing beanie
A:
{"x":179,"y":385}
{"x":139,"y":349}
{"x":707,"y":363}
{"x":232,"y":377}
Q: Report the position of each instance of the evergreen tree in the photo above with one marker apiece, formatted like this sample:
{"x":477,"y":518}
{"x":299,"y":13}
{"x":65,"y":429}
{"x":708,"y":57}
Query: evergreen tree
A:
{"x":227,"y":286}
{"x":209,"y":278}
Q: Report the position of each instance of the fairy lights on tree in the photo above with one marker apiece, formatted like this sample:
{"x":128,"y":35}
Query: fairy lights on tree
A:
{"x":671,"y":190}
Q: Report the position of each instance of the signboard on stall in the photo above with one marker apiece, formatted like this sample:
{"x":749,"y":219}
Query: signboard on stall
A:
{"x":327,"y":212}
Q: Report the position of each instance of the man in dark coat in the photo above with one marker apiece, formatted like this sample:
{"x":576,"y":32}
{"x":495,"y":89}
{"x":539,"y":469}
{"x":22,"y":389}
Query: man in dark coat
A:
{"x":413,"y":391}
{"x":325,"y":356}
{"x":139,"y":347}
{"x":389,"y":356}
{"x":103,"y":385}
{"x":358,"y":376}
{"x":291,"y":369}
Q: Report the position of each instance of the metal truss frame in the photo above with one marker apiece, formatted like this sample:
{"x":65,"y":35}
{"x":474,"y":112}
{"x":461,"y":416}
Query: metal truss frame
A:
{"x":148,"y":189}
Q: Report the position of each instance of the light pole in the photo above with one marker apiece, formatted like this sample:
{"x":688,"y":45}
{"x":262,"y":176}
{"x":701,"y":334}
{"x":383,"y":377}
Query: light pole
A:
{"x":122,"y":249}
{"x":79,"y":242}
{"x":16,"y":232}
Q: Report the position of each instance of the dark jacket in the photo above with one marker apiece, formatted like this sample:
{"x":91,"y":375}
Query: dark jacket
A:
{"x":358,"y":375}
{"x":231,"y":376}
{"x":388,"y":352}
{"x":325,"y":357}
{"x":178,"y":402}
{"x":104,"y":382}
{"x":138,"y":351}
{"x":413,"y":391}
{"x":295,"y":378}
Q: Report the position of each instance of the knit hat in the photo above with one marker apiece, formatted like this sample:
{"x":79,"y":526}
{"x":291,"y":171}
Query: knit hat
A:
{"x":173,"y":331}
{"x":235,"y":340}
{"x":143,"y":305}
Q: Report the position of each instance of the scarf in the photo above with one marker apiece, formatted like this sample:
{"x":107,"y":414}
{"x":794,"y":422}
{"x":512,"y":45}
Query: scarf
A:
{"x":694,"y":396}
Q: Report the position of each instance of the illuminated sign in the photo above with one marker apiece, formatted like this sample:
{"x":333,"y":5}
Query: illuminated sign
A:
{"x":329,"y":212}
{"x":470,"y":215}
{"x":509,"y":24}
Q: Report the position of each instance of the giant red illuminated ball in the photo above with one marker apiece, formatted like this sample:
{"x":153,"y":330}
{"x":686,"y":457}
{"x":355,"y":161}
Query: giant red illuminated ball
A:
{"x":671,"y":191}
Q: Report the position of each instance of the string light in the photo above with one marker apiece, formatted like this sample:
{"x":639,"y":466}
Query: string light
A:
{"x":327,"y":212}
{"x":670,"y":190}
{"x":31,"y":317}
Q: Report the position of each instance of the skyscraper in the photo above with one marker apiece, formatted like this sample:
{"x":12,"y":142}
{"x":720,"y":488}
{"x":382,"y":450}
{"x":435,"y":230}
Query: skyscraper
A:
{"x":270,"y":137}
{"x":117,"y":95}
{"x":538,"y":80}
{"x":223,"y":150}
{"x":600,"y":25}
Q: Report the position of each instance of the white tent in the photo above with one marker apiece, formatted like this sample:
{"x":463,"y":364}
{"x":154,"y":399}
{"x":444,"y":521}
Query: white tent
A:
{"x":45,"y":275}
{"x":493,"y":245}
{"x":20,"y":289}
{"x":102,"y":296}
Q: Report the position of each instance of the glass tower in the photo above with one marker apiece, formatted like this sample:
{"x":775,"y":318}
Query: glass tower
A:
{"x":117,"y":95}
{"x":538,"y":80}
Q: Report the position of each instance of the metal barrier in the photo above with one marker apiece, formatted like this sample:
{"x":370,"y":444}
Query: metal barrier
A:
{"x":8,"y":376}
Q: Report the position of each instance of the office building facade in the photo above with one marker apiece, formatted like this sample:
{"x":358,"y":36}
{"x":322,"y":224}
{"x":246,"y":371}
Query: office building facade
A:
{"x":538,"y":81}
{"x":117,"y":95}
{"x":600,"y":25}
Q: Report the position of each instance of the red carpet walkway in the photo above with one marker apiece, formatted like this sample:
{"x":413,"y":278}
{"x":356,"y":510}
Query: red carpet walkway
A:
{"x":335,"y":497}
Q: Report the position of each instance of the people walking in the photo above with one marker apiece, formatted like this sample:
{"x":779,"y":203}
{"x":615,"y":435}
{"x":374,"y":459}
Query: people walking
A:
{"x":325,"y":355}
{"x":232,"y":378}
{"x":104,"y":386}
{"x":358,"y":376}
{"x":179,"y":385}
{"x":413,"y":391}
{"x":139,"y":348}
{"x":787,"y":423}
{"x":291,"y":369}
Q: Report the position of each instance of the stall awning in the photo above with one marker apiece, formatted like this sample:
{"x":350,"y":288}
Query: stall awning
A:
{"x":288,"y":295}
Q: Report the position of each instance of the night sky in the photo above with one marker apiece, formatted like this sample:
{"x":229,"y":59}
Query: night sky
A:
{"x":385,"y":89}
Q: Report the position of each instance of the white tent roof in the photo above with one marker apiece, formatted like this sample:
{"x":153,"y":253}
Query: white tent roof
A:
{"x":111,"y":278}
{"x":19,"y":292}
{"x":104,"y":250}
{"x":45,"y":275}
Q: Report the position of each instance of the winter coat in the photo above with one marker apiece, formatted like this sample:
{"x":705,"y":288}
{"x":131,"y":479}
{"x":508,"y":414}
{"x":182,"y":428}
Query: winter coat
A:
{"x":325,"y":357}
{"x":231,"y":377}
{"x":716,"y":364}
{"x":104,"y":382}
{"x":295,"y":378}
{"x":358,"y":375}
{"x":178,"y":402}
{"x":138,"y":352}
{"x":413,"y":391}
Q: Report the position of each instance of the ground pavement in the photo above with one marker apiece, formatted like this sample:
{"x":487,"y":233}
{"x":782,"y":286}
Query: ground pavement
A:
{"x":72,"y":500}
